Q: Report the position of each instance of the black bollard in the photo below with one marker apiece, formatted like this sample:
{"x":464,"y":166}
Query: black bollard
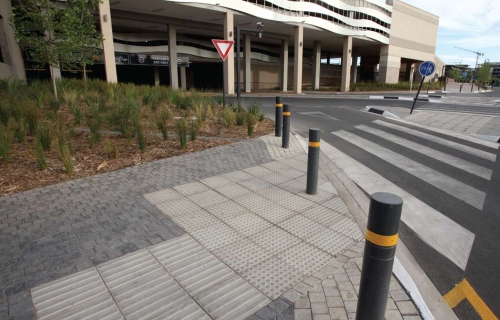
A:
{"x":313,"y":161}
{"x":378,"y":258}
{"x":285,"y":140}
{"x":461,"y":88}
{"x":471,"y":87}
{"x":278,"y":117}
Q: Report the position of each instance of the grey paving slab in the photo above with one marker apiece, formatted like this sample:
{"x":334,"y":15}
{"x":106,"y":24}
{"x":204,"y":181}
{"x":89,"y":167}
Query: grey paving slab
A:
{"x":248,"y":224}
{"x":196,"y":220}
{"x":301,"y":226}
{"x":305,"y":257}
{"x":330,"y":242}
{"x":274,"y":239}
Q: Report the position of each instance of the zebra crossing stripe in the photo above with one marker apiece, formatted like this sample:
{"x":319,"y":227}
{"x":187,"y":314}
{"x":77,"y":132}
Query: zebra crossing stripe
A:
{"x":438,"y":231}
{"x":444,"y":142}
{"x":441,"y":181}
{"x":441,"y":156}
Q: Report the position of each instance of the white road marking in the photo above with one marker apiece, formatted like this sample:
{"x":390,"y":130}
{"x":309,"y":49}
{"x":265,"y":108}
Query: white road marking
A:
{"x":441,"y":181}
{"x":441,"y":156}
{"x":440,"y":232}
{"x":451,"y":144}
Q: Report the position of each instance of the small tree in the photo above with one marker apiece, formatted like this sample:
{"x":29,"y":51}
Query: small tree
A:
{"x":484,"y":73}
{"x":58,"y":34}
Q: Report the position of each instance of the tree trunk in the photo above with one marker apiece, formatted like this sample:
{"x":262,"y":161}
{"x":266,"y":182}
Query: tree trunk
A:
{"x":54,"y":85}
{"x":85,"y":76}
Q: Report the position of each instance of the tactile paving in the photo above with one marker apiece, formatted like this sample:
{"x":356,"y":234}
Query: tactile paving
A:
{"x":233,"y":191}
{"x":163,"y":196}
{"x":274,"y":239}
{"x":301,"y":226}
{"x":207,"y":198}
{"x":242,"y":255}
{"x":323,"y":215}
{"x":238,"y":176}
{"x":177,"y":207}
{"x":275,"y":166}
{"x":337,"y":204}
{"x":215,"y":182}
{"x":348,"y":228}
{"x":196,"y":220}
{"x":274,"y":213}
{"x":255,"y":184}
{"x":216,"y":236}
{"x":273,"y":277}
{"x":253,"y":201}
{"x":248,"y":224}
{"x":258,"y":171}
{"x":226,"y":210}
{"x":275,"y":194}
{"x":297,"y":203}
{"x":191,"y":188}
{"x":305,"y":258}
{"x":331,"y":242}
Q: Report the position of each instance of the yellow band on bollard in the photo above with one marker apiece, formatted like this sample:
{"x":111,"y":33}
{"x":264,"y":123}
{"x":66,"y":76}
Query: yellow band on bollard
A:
{"x":279,"y":105}
{"x":314,"y":144}
{"x":287,"y":113}
{"x":380,"y":240}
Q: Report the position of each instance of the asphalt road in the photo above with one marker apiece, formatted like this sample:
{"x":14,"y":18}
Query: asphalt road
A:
{"x":343,"y":117}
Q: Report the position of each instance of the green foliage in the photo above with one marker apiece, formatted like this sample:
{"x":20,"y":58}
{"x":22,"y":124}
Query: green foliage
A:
{"x":57,"y":34}
{"x":228,"y":115}
{"x":142,"y":138}
{"x":375,"y":86}
{"x":161,"y":122}
{"x":194,"y":128}
{"x":250,"y":124}
{"x":125,"y":117}
{"x":94,"y":122}
{"x":455,"y":74}
{"x":46,"y":132}
{"x":484,"y":73}
{"x":181,"y":127}
{"x":39,"y":154}
{"x":6,"y":137}
{"x":240,"y":118}
{"x":111,"y":148}
{"x":19,"y":128}
{"x":65,"y":154}
{"x":55,"y":104}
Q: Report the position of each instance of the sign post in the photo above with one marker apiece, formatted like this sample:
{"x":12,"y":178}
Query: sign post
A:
{"x":223,"y":47}
{"x":426,"y":69}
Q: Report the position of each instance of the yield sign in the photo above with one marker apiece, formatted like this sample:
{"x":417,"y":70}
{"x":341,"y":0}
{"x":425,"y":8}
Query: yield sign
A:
{"x":223,"y":47}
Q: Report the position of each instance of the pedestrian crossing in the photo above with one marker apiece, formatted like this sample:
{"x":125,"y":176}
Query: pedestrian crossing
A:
{"x":411,"y":162}
{"x":484,"y":107}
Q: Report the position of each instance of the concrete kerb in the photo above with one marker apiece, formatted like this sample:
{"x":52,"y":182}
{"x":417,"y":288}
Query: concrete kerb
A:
{"x":425,"y":295}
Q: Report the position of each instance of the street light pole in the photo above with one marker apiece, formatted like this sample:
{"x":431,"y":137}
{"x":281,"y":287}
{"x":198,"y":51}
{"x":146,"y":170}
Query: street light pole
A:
{"x":258,"y":31}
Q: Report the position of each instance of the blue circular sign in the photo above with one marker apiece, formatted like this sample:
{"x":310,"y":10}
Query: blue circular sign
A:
{"x":427,"y":68}
{"x":464,"y":74}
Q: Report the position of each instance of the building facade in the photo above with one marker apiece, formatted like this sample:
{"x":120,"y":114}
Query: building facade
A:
{"x":367,"y":40}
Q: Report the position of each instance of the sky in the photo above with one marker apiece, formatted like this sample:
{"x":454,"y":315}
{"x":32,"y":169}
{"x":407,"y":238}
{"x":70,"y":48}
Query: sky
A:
{"x":469,"y":24}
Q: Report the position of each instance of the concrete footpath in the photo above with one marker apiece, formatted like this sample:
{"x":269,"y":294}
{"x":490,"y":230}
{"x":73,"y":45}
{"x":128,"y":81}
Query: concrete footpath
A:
{"x":225,"y":233}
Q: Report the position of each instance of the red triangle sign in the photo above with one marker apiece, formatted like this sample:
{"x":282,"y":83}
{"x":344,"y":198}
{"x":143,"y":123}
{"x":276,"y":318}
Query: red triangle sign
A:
{"x":223,"y":47}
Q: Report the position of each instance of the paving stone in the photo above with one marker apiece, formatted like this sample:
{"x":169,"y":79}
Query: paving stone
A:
{"x":302,"y":303}
{"x":292,"y":295}
{"x":241,"y":255}
{"x":319,"y":308}
{"x":338,"y":314}
{"x":407,"y":308}
{"x":274,"y":239}
{"x":350,"y":306}
{"x":348,"y":295}
{"x":334,"y":302}
{"x":279,"y":305}
{"x":393,"y":315}
{"x":391,"y":305}
{"x":266,"y":313}
{"x":399,"y":295}
{"x":303,"y":314}
{"x":317,"y":297}
{"x":305,"y":257}
{"x":412,"y":318}
{"x":331,"y":291}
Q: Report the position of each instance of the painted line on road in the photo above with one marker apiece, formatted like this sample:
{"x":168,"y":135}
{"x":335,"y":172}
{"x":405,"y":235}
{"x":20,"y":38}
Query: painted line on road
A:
{"x":435,"y":154}
{"x":464,"y":290}
{"x":437,"y":230}
{"x":444,"y":142}
{"x":433,"y":177}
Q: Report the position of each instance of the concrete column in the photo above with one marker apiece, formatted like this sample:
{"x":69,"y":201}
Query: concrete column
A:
{"x":229,"y":64}
{"x":354,"y":68}
{"x":107,"y":43}
{"x":172,"y":57}
{"x":409,"y":71}
{"x":11,"y":51}
{"x":157,"y":76}
{"x":297,"y":59}
{"x":316,"y":65}
{"x":346,"y":64}
{"x":248,"y":67}
{"x":389,"y":66}
{"x":183,"y":78}
{"x":284,"y":65}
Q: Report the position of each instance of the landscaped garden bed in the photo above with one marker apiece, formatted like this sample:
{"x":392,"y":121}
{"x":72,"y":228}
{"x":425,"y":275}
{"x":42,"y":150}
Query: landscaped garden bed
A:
{"x":106,"y":127}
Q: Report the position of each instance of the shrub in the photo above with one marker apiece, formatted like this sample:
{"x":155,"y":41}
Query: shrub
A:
{"x":111,"y":148}
{"x":240,"y":118}
{"x":228,"y":115}
{"x":70,"y":97}
{"x":126,"y":118}
{"x":94,"y":122}
{"x":6,"y":137}
{"x":250,"y":124}
{"x":18,"y":128}
{"x":181,"y":128}
{"x":142,"y":139}
{"x":255,"y":109}
{"x":55,"y":104}
{"x":65,"y":155}
{"x":45,"y":134}
{"x":152,"y":99}
{"x":39,"y":154}
{"x":194,"y":128}
{"x":32,"y":115}
{"x":161,"y":122}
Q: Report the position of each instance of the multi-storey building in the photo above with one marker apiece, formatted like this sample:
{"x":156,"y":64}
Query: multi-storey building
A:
{"x":374,"y":41}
